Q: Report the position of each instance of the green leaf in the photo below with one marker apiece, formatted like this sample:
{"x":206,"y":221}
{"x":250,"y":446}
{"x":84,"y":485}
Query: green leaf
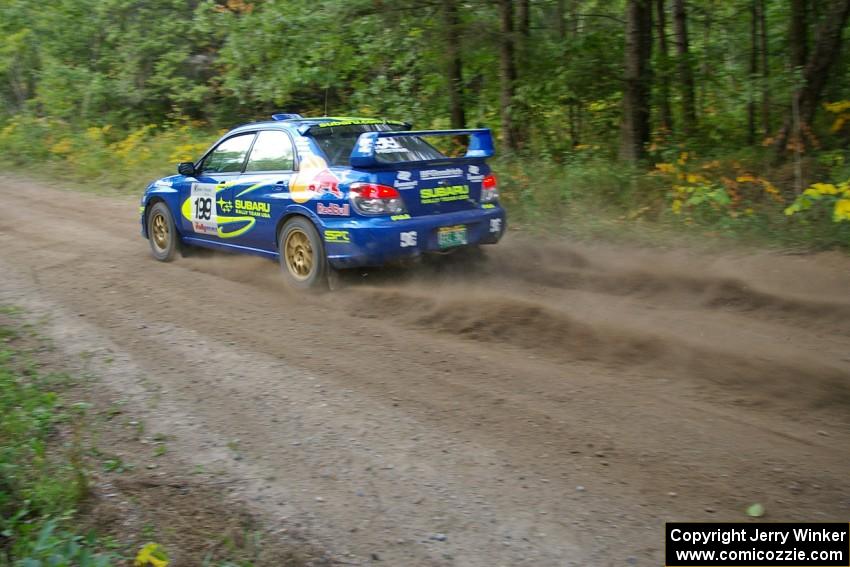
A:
{"x":755,"y":511}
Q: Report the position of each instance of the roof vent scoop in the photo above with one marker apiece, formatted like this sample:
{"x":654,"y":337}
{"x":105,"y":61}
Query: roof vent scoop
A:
{"x":286,"y":116}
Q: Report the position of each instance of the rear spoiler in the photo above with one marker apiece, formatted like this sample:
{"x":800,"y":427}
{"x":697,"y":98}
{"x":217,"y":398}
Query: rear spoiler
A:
{"x":364,"y":152}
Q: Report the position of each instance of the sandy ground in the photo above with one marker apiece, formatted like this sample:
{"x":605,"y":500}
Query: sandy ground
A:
{"x":554,"y":404}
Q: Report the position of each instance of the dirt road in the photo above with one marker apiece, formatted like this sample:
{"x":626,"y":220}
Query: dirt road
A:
{"x":553,"y":405}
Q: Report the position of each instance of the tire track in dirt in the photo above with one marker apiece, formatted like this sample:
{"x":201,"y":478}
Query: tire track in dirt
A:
{"x":670,"y":289}
{"x":555,"y":334}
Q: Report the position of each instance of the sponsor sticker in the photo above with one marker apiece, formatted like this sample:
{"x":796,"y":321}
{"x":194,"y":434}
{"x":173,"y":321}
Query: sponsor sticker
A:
{"x":495,"y":225}
{"x":474,"y":174}
{"x":225,"y":206}
{"x":404,"y":180}
{"x":364,"y":145}
{"x":440,"y":173}
{"x":356,"y":121}
{"x":407,"y":239}
{"x":337,"y":236}
{"x":253,"y":208}
{"x":313,"y":180}
{"x":444,"y":194}
{"x":388,"y":146}
{"x":333,"y":209}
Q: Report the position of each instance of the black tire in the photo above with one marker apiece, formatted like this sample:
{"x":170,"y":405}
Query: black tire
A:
{"x":162,"y":235}
{"x":302,"y":255}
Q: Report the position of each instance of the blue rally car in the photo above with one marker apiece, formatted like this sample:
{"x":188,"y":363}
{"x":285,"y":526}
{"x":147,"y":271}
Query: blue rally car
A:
{"x":327,"y":193}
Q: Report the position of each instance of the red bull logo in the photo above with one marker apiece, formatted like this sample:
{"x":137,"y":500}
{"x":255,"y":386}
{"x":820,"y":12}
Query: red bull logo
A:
{"x":333,"y":209}
{"x":325,"y":182}
{"x":313,"y":179}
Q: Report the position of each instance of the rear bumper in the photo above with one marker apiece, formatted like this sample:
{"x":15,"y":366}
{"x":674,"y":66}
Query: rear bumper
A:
{"x":359,"y":242}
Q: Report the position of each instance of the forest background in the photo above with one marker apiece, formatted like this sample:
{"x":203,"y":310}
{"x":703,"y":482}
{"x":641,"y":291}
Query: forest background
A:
{"x":705,"y":120}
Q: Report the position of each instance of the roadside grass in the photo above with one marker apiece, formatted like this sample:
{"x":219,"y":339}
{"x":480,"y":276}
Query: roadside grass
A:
{"x":593,"y":198}
{"x":43,"y":480}
{"x":711,"y":202}
{"x":65,"y":502}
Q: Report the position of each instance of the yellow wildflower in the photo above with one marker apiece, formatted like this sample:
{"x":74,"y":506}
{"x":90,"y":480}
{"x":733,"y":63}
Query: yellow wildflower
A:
{"x":839,"y":106}
{"x":842,"y":210}
{"x":151,"y":554}
{"x":61,"y":147}
{"x":822,"y":189}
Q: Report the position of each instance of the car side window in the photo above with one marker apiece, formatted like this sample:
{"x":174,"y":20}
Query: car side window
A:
{"x":229,"y":155}
{"x":272,"y":152}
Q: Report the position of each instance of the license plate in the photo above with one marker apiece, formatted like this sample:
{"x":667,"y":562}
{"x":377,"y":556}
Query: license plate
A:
{"x":448,"y":236}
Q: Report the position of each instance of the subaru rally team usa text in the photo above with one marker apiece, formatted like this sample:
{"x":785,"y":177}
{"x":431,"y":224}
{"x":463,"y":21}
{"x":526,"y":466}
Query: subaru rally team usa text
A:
{"x":322,"y":194}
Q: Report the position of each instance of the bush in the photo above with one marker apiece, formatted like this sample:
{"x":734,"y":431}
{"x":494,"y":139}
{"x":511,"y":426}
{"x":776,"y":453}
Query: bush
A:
{"x":102,"y":156}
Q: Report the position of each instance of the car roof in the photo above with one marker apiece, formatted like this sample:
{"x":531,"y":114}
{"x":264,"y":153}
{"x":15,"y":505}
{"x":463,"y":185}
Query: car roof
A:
{"x":295,"y":123}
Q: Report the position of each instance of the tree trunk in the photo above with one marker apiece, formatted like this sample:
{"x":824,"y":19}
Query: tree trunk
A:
{"x":574,"y":116}
{"x":634,"y":133}
{"x":664,"y":72}
{"x":573,"y":18}
{"x":765,"y":70}
{"x":706,"y":63}
{"x":507,"y":74}
{"x":798,"y":33}
{"x":454,"y":68}
{"x":686,"y":74}
{"x":751,"y":102}
{"x":827,"y":49}
{"x":560,"y":17}
{"x":523,"y":23}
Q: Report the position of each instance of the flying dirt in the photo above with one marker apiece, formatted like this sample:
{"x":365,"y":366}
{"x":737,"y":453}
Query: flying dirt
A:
{"x":552,"y":403}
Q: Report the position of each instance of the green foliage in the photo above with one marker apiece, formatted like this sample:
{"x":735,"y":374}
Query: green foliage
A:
{"x":39,"y":485}
{"x":55,"y":547}
{"x":136,"y":87}
{"x":823,"y":199}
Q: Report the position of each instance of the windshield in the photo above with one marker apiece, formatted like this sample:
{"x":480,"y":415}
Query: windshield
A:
{"x":338,"y":141}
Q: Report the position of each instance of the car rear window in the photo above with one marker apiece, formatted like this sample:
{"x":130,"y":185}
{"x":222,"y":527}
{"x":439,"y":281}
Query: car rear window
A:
{"x":338,"y":141}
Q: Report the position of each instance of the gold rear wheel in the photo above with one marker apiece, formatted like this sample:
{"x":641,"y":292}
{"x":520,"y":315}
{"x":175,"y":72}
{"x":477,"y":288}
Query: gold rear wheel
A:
{"x":298,"y":254}
{"x":302,"y":255}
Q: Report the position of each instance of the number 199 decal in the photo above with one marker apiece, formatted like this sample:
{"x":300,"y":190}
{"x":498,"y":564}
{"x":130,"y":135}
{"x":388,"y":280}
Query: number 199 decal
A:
{"x":203,"y":208}
{"x":203,"y":211}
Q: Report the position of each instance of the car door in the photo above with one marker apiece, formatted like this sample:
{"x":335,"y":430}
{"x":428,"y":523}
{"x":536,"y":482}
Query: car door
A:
{"x":262,"y":192}
{"x":205,"y":210}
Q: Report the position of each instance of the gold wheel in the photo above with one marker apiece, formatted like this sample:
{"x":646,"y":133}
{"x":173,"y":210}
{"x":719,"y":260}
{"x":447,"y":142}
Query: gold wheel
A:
{"x":298,"y":253}
{"x":159,"y":229}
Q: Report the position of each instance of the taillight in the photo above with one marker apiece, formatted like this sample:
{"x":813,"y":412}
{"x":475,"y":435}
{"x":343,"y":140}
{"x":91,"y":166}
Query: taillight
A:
{"x":374,"y":199}
{"x":489,"y":189}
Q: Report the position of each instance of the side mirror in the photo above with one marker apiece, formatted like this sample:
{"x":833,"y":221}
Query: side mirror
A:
{"x":186,"y":168}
